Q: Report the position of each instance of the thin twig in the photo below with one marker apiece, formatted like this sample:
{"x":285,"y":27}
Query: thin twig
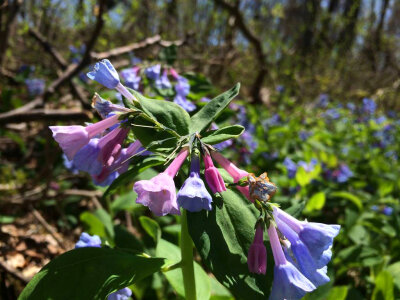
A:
{"x":45,"y":115}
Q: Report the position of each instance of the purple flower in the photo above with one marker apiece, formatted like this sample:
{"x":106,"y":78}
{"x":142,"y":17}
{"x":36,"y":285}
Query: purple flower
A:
{"x":257,"y":257}
{"x":104,"y":180}
{"x":323,"y":100}
{"x":184,"y":103}
{"x":291,"y":167}
{"x":105,"y":107}
{"x":289,"y":282}
{"x":317,"y":237}
{"x":153,"y":72}
{"x":342,"y":174}
{"x":159,"y":193}
{"x":332,"y":114}
{"x":182,"y":86}
{"x":69,"y":165}
{"x":304,"y":135}
{"x":275,"y":120}
{"x":280,"y":89}
{"x":72,"y":138}
{"x":131,"y":77}
{"x":35,"y":86}
{"x":302,"y":257}
{"x":351,"y":106}
{"x":163,"y":82}
{"x":86,"y":240}
{"x":86,"y":158}
{"x":205,"y":99}
{"x":387,"y":210}
{"x":193,"y":195}
{"x":104,"y":73}
{"x":248,"y":138}
{"x":123,"y":294}
{"x":380,"y":120}
{"x":308,"y":167}
{"x":369,"y":106}
{"x":213,"y":177}
{"x":111,"y":145}
{"x":223,"y":145}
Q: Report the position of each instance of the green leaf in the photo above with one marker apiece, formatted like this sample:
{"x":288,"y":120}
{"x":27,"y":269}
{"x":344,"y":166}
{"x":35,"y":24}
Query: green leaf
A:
{"x":89,"y":273}
{"x":93,"y":224}
{"x":125,"y":202}
{"x":316,"y":202}
{"x":223,"y":237}
{"x":394,"y":269}
{"x":173,"y":254}
{"x":125,"y":239}
{"x":222,"y":134}
{"x":205,"y":116}
{"x":139,"y":165}
{"x":151,"y":227}
{"x":106,"y":219}
{"x":302,"y":177}
{"x":338,"y":293}
{"x":348,"y":196}
{"x":170,"y":114}
{"x":383,"y":287}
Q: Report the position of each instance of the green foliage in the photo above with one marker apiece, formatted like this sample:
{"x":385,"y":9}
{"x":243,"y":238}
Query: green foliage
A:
{"x":217,"y":136}
{"x":89,"y":273}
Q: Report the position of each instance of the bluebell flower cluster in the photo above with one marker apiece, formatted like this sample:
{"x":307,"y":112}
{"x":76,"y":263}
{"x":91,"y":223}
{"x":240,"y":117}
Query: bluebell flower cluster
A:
{"x":369,"y":106}
{"x":131,"y":77}
{"x":386,"y":210}
{"x":323,"y":100}
{"x":35,"y":86}
{"x":291,"y":166}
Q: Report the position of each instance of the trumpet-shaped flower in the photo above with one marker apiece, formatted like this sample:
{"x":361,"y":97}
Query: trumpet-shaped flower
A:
{"x":104,"y":73}
{"x":182,"y":87}
{"x":184,"y":103}
{"x":72,"y":138}
{"x":159,"y":193}
{"x":153,"y":72}
{"x":193,"y":195}
{"x":105,"y":107}
{"x":35,"y":86}
{"x":131,"y":77}
{"x":110,"y":146}
{"x":213,"y":177}
{"x":163,"y":82}
{"x":86,"y":240}
{"x":86,"y":158}
{"x":289,"y":282}
{"x":317,"y":237}
{"x":257,"y":257}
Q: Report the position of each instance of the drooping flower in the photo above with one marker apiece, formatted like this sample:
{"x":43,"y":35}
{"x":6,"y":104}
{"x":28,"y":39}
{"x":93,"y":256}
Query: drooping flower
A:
{"x":323,"y":100}
{"x":303,"y":259}
{"x":86,"y":240}
{"x":332,"y":113}
{"x":304,"y":135}
{"x":35,"y":86}
{"x":163,"y":82}
{"x":308,"y":167}
{"x":213,"y":177}
{"x":105,"y":107}
{"x":342,"y":174}
{"x":104,"y":179}
{"x":123,"y":294}
{"x":153,"y":72}
{"x":69,"y":165}
{"x":291,"y":167}
{"x":257,"y":257}
{"x":193,"y":195}
{"x":184,"y":103}
{"x":289,"y":282}
{"x":104,"y":73}
{"x":387,"y":210}
{"x":86,"y":158}
{"x":111,"y":145}
{"x":159,"y":193}
{"x":72,"y":138}
{"x":234,"y":171}
{"x":317,"y":237}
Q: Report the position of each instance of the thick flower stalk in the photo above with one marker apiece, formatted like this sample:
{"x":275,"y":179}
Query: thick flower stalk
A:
{"x":159,"y":193}
{"x":193,"y":195}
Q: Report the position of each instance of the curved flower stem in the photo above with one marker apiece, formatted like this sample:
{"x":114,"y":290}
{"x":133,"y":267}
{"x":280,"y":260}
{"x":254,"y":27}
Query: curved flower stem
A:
{"x":187,"y":260}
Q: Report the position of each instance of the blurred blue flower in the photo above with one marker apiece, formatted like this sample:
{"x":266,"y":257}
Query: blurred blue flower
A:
{"x":223,"y":145}
{"x":391,"y":154}
{"x":304,"y":135}
{"x":387,"y":210}
{"x":343,"y":173}
{"x":369,"y":106}
{"x":275,"y":120}
{"x":86,"y":240}
{"x":111,"y":177}
{"x":280,"y":89}
{"x":184,"y":103}
{"x":291,"y":167}
{"x":123,"y":294}
{"x":251,"y":143}
{"x":380,"y":120}
{"x":131,"y":77}
{"x":163,"y":82}
{"x":323,"y":100}
{"x":351,"y":106}
{"x":153,"y":72}
{"x":332,"y":114}
{"x":182,"y":86}
{"x":308,"y":167}
{"x":69,"y":165}
{"x":86,"y":158}
{"x":35,"y":86}
{"x":205,"y":99}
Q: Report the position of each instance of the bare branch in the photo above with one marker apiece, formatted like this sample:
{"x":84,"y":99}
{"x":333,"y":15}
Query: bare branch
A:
{"x":45,"y":115}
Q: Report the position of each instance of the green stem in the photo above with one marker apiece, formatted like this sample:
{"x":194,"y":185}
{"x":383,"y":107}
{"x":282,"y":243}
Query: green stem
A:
{"x":187,"y":260}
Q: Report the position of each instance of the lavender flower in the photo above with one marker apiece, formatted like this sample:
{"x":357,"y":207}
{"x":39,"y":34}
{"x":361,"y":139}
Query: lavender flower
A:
{"x":342,"y":174}
{"x":184,"y":103}
{"x":308,"y":167}
{"x":123,"y":294}
{"x":280,"y":89}
{"x":86,"y":158}
{"x":105,"y":107}
{"x":35,"y":86}
{"x":153,"y":72}
{"x":323,"y":100}
{"x":387,"y":210}
{"x":86,"y":240}
{"x":332,"y":114}
{"x":275,"y":120}
{"x":163,"y":82}
{"x":159,"y":193}
{"x":131,"y":77}
{"x":213,"y":177}
{"x":351,"y":106}
{"x":102,"y":180}
{"x":69,"y":165}
{"x":291,"y":167}
{"x":304,"y":135}
{"x":182,"y":86}
{"x":369,"y":106}
{"x":193,"y":195}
